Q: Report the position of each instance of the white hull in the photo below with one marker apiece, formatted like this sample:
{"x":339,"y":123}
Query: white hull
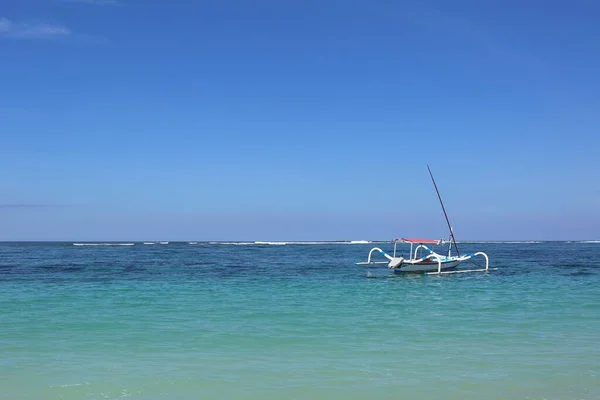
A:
{"x":427,"y":267}
{"x":421,"y":258}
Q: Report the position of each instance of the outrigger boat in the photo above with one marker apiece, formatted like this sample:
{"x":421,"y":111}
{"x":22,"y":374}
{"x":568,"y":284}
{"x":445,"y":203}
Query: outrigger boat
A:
{"x":424,"y":260}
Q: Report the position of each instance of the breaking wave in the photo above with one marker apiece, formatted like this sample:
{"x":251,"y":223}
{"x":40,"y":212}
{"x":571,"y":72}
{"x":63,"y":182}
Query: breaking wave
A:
{"x":499,"y":241}
{"x":103,"y":244}
{"x":265,"y":243}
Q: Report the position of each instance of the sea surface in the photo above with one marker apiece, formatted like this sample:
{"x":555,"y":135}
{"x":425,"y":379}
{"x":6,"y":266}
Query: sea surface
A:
{"x":295,"y":321}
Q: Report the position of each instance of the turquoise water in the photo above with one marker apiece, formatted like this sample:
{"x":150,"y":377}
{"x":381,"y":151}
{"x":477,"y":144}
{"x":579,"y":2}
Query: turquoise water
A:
{"x":210,"y":321}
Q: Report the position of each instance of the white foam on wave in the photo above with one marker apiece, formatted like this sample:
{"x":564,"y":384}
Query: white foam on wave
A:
{"x":192,"y":242}
{"x":163,"y":242}
{"x":590,"y":241}
{"x":317,"y":243}
{"x":313,"y":243}
{"x":499,"y":242}
{"x":69,"y":385}
{"x":103,"y":244}
{"x":234,"y":243}
{"x":149,"y":242}
{"x":264,"y":243}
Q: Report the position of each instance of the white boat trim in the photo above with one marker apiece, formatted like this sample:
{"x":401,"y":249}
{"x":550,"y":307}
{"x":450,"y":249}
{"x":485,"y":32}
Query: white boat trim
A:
{"x":422,"y":259}
{"x":432,"y":263}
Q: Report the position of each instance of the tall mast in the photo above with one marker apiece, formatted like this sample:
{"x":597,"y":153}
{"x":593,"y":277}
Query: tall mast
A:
{"x":444,"y":210}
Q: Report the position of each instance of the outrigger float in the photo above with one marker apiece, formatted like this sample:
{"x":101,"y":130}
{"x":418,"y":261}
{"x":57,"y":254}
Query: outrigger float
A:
{"x":424,"y":260}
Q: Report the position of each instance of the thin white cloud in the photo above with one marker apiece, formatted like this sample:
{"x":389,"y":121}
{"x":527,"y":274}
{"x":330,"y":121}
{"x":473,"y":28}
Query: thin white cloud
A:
{"x":29,"y":30}
{"x":94,"y":2}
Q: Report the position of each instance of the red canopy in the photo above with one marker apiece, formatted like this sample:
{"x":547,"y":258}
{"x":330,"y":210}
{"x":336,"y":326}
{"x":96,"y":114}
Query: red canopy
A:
{"x":420,"y":241}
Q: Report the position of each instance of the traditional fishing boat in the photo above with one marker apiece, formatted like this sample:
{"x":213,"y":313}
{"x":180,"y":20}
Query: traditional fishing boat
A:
{"x":423,"y":259}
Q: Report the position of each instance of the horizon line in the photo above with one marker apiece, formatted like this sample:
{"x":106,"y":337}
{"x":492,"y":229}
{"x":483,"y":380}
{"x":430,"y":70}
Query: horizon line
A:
{"x":356,"y":241}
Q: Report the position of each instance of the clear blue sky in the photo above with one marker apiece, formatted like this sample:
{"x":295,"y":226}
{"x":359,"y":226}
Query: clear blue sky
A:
{"x":299,"y":120}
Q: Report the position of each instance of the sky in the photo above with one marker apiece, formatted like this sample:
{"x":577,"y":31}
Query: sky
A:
{"x":299,"y":120}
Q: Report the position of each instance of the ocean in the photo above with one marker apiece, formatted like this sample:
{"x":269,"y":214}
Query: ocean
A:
{"x":295,"y":321}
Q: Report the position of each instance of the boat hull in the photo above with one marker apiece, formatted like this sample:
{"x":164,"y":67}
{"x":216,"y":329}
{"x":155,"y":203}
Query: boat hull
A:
{"x":427,"y":267}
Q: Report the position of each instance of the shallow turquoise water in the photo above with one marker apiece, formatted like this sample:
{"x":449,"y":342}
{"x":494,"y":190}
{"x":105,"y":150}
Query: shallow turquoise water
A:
{"x":183,"y":321}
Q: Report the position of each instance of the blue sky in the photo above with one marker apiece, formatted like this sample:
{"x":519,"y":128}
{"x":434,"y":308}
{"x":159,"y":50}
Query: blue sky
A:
{"x":299,"y":120}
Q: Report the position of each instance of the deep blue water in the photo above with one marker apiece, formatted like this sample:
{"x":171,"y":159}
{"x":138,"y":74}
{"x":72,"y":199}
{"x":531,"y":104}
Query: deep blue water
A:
{"x":295,"y":321}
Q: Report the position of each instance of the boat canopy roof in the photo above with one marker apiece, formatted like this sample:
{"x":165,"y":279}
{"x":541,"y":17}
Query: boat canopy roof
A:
{"x":405,"y":240}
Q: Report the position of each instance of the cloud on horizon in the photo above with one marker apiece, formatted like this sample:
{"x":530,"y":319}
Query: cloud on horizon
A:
{"x":32,"y":30}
